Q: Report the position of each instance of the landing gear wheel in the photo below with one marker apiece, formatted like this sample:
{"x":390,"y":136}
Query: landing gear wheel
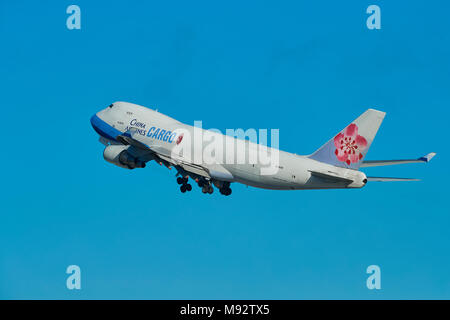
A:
{"x":188,"y":187}
{"x":183,"y":188}
{"x":180,"y":180}
{"x":225,"y":191}
{"x":207,"y":189}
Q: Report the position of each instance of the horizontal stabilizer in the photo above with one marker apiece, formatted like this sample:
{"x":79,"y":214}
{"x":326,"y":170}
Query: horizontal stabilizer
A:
{"x":378,"y":163}
{"x":390,"y":179}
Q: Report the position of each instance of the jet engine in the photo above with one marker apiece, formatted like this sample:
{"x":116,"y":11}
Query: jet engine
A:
{"x":119,"y":155}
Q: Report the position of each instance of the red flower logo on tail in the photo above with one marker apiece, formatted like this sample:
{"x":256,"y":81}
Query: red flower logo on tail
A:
{"x":349,"y":145}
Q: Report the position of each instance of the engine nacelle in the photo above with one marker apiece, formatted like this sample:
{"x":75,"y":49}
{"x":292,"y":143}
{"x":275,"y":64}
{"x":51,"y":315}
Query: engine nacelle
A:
{"x":118,"y":155}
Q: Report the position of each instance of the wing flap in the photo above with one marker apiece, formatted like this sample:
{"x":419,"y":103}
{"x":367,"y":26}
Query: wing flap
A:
{"x":186,"y":166}
{"x":198,"y":170}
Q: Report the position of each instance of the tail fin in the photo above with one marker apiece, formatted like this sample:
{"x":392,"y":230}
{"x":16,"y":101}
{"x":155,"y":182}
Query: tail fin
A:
{"x":349,"y":147}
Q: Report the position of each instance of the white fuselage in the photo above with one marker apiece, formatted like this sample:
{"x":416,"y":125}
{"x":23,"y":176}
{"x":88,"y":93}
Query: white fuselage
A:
{"x":162,"y":133}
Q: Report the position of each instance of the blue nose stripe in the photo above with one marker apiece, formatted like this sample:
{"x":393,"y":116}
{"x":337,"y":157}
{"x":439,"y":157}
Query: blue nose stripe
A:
{"x":104,"y":129}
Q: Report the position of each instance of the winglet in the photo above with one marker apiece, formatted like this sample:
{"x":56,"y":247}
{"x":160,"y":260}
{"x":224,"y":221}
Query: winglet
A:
{"x":428,"y":157}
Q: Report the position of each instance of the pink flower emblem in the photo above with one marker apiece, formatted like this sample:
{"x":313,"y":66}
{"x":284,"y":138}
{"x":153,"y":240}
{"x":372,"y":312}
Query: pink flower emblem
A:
{"x":349,"y":145}
{"x":180,"y":137}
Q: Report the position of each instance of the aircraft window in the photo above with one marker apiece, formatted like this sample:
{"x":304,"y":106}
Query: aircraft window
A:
{"x":110,"y":106}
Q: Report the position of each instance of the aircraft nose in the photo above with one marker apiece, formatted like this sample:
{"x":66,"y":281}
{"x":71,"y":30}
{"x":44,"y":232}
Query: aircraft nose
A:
{"x":103,"y":128}
{"x":95,"y":123}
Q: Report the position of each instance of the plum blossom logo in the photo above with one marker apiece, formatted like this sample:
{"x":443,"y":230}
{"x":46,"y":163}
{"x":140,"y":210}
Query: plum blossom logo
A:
{"x":180,"y":138}
{"x":349,"y":145}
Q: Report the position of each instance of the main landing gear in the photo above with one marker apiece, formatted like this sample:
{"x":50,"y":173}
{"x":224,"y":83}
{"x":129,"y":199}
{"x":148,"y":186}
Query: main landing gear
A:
{"x":206,"y":186}
{"x":185,"y":186}
{"x":225,"y":189}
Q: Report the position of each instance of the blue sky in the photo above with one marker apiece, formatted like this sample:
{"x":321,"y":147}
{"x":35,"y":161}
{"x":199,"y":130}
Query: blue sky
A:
{"x":307,"y":68}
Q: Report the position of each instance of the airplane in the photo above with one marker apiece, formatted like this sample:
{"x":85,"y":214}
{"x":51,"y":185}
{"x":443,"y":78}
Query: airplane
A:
{"x":134,"y":135}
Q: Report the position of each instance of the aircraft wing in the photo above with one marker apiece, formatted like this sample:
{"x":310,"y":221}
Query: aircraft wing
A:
{"x":377,"y":163}
{"x":142,"y":150}
{"x":187,"y":166}
{"x":127,"y":138}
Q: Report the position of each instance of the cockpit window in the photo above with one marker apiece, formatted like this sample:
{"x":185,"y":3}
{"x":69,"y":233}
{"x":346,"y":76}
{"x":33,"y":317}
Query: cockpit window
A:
{"x":111,"y":105}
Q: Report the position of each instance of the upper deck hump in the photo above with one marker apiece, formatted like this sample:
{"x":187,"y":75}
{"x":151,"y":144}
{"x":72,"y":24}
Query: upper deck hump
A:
{"x":154,"y":114}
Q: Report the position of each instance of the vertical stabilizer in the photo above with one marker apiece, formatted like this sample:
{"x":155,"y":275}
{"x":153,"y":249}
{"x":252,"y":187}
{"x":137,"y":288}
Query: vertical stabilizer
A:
{"x":349,"y":147}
